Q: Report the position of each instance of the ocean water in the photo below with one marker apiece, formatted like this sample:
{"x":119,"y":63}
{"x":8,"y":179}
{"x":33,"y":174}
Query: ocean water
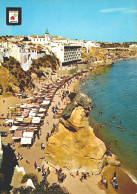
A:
{"x":114,"y":91}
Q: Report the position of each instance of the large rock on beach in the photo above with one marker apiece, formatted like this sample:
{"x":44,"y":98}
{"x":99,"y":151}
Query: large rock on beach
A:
{"x":74,"y":146}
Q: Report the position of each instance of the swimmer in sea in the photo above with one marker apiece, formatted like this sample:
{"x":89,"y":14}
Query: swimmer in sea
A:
{"x":115,"y":139}
{"x":114,"y":117}
{"x":106,"y":122}
{"x":122,"y":129}
{"x":133,"y":133}
{"x":118,"y":126}
{"x":110,"y":124}
{"x":102,"y":126}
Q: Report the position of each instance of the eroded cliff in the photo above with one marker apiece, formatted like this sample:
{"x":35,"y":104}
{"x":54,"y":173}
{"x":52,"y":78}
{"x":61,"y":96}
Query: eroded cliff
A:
{"x":74,"y":145}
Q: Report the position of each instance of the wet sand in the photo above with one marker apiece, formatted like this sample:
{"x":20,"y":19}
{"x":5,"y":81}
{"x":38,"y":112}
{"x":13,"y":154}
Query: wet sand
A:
{"x":126,"y":185}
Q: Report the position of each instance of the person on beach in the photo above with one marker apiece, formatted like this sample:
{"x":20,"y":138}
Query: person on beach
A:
{"x":106,"y":185}
{"x":113,"y":184}
{"x":21,"y":157}
{"x":39,"y":169}
{"x":48,"y":171}
{"x":8,"y":114}
{"x":77,"y":173}
{"x":18,"y":155}
{"x":102,"y":180}
{"x":116,"y":185}
{"x":35,"y":164}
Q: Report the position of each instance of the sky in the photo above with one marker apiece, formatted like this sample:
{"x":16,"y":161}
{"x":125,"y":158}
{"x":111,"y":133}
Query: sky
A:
{"x":97,"y":20}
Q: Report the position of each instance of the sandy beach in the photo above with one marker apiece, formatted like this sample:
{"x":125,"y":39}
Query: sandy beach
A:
{"x":72,"y":181}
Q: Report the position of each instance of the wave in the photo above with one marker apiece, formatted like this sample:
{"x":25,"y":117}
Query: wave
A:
{"x":134,"y":179}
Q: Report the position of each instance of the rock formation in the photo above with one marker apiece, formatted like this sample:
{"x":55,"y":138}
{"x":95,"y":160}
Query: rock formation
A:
{"x":74,"y":146}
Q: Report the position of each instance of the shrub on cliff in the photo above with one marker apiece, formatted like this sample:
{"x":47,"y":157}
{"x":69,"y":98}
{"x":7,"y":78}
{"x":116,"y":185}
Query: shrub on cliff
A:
{"x":31,"y":176}
{"x":23,"y":77}
{"x":47,"y":61}
{"x":41,"y":189}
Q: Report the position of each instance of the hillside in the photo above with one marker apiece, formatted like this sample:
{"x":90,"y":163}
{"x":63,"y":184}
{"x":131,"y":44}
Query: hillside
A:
{"x":44,"y":65}
{"x":15,"y":79}
{"x":98,"y":54}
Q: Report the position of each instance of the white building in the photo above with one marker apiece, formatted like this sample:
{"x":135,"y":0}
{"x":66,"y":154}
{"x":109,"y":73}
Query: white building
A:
{"x":66,"y":54}
{"x":133,"y":45}
{"x":3,"y":51}
{"x":21,"y":52}
{"x":44,"y":40}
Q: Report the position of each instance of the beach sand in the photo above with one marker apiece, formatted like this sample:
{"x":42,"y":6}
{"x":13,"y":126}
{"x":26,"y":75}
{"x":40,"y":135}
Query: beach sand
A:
{"x":126,"y":185}
{"x":73,"y":185}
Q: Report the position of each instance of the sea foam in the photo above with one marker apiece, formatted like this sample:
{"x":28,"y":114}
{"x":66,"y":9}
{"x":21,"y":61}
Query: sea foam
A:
{"x":134,"y":179}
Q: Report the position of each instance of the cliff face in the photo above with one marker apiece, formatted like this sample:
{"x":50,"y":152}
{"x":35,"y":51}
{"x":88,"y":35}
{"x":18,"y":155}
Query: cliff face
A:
{"x":108,"y":55}
{"x":75,"y":146}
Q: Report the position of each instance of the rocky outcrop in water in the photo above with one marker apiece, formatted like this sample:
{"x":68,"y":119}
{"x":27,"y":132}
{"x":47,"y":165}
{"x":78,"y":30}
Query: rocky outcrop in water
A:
{"x":74,"y":145}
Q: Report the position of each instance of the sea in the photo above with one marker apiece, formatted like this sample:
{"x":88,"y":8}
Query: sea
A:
{"x":113,"y":91}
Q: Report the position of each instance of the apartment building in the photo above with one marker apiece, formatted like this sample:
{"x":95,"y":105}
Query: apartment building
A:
{"x":67,"y":54}
{"x":71,"y":54}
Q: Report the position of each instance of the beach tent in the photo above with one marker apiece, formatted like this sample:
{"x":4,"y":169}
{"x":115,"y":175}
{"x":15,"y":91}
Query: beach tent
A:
{"x":34,"y":109}
{"x":23,"y":106}
{"x":26,"y":141}
{"x":36,"y":120}
{"x":17,"y":135}
{"x":20,"y":119}
{"x":45,"y":102}
{"x":40,"y":115}
{"x":25,"y":112}
{"x":20,"y":169}
{"x":29,"y":106}
{"x":21,"y":128}
{"x":36,"y":105}
{"x":42,"y":110}
{"x":27,"y":120}
{"x":28,"y":134}
{"x":13,"y":128}
{"x":32,"y":114}
{"x":30,"y":184}
{"x":9,"y":121}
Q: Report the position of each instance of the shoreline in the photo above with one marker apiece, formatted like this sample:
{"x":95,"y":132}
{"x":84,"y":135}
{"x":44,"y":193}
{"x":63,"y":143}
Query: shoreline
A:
{"x":126,"y":173}
{"x":76,"y":84}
